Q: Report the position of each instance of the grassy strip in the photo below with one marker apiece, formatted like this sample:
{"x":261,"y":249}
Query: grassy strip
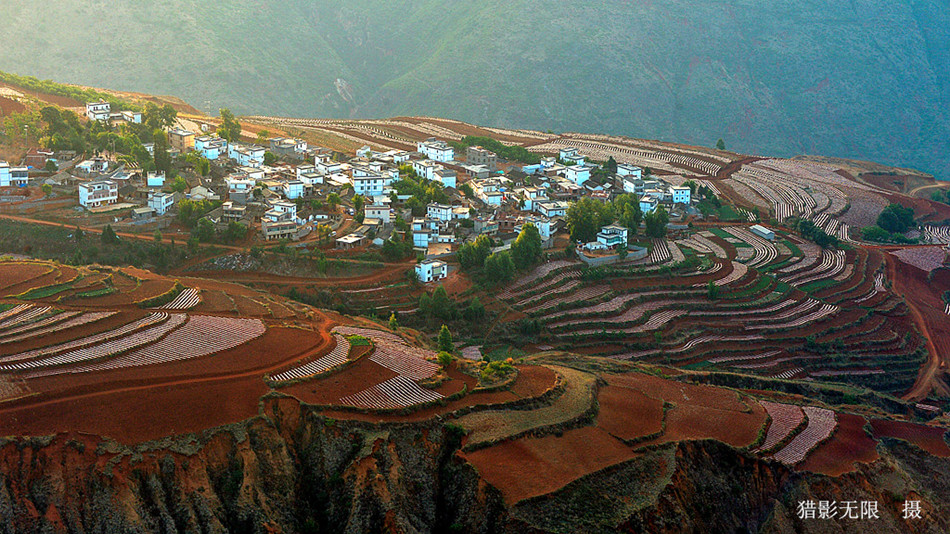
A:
{"x":577,"y":403}
{"x":43,"y":292}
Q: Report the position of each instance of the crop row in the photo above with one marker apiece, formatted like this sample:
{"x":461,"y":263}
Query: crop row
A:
{"x":177,"y":340}
{"x":337,"y":356}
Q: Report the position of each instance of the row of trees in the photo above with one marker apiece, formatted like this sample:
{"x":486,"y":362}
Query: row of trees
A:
{"x":587,"y":216}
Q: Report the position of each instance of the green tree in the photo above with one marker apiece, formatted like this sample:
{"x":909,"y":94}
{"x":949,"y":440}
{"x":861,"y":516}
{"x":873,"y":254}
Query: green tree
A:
{"x":205,"y":231}
{"x":611,"y":165}
{"x":473,"y":255}
{"x":445,"y":340}
{"x":445,"y":358}
{"x":333,"y":200}
{"x":475,"y":310}
{"x":51,"y":166}
{"x":47,"y":190}
{"x":656,"y":222}
{"x":526,"y":251}
{"x":622,"y":251}
{"x":720,"y":144}
{"x":393,"y":322}
{"x":262,"y":137}
{"x":230,"y":128}
{"x":179,"y":185}
{"x":161,"y":158}
{"x":585,"y":218}
{"x":157,"y":236}
{"x":108,"y":236}
{"x":712,"y":290}
{"x":269,"y":158}
{"x":499,"y":267}
{"x":627,"y":208}
{"x":896,"y":219}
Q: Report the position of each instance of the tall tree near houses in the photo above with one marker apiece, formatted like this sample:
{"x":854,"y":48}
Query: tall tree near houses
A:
{"x":230,"y":128}
{"x":163,"y":161}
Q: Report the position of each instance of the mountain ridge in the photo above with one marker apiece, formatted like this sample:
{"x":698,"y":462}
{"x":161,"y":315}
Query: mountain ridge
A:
{"x":689,"y":72}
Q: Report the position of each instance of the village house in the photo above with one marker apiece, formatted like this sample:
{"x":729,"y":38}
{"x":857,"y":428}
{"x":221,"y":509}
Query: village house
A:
{"x":96,"y":194}
{"x":476,"y":155}
{"x":379,"y":212}
{"x":231,"y":211}
{"x":155,"y":179}
{"x":552,"y":208}
{"x":211,"y":146}
{"x":436,"y":150}
{"x":612,"y":236}
{"x":246,"y":156}
{"x":13,"y":176}
{"x":446,"y":177}
{"x":98,"y":111}
{"x":161,"y":202}
{"x":181,"y":140}
{"x":431,"y":270}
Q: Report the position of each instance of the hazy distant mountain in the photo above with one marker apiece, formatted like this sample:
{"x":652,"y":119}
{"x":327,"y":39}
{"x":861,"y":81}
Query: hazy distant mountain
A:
{"x":854,"y":79}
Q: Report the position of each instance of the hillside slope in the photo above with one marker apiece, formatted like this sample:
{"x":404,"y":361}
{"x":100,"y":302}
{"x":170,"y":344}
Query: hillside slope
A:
{"x":858,"y":79}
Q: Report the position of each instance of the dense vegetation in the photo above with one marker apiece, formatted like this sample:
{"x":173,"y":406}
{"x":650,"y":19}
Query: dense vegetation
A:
{"x":510,"y":153}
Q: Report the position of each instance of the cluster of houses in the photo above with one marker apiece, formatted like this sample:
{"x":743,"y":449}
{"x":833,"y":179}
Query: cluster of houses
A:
{"x":496,"y":202}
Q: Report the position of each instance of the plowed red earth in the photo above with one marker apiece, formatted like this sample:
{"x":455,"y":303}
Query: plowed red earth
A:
{"x":143,"y":403}
{"x":146,"y":413}
{"x":927,"y":310}
{"x":532,"y":381}
{"x":700,"y":412}
{"x":927,"y":438}
{"x":848,"y":446}
{"x":8,"y":106}
{"x":628,"y":414}
{"x":70,"y":334}
{"x":15,"y":273}
{"x":529,"y":467}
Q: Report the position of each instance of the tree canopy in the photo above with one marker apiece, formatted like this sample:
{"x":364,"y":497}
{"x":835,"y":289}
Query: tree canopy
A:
{"x":230,"y":128}
{"x":656,"y":222}
{"x":526,"y":251}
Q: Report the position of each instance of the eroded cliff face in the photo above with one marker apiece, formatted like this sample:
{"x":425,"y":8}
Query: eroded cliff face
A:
{"x":292,"y":470}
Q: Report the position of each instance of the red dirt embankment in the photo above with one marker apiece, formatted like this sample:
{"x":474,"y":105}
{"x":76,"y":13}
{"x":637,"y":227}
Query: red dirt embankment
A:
{"x":529,"y":467}
{"x":928,"y":311}
{"x":847,"y":446}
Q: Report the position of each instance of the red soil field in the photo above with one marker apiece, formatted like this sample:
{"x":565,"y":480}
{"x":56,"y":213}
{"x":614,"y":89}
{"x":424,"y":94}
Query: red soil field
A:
{"x":215,"y":301}
{"x":271,"y":350}
{"x":927,"y":310}
{"x":701,"y":412}
{"x":847,"y":446}
{"x":628,"y":414}
{"x":26,"y":285}
{"x":62,"y":336}
{"x":692,"y":421}
{"x":16,"y":273}
{"x":928,"y":438}
{"x":248,"y":307}
{"x":529,"y":467}
{"x":8,"y":106}
{"x":151,"y":288}
{"x":532,"y":381}
{"x":134,"y":416}
{"x":329,"y":390}
{"x":679,"y":393}
{"x":61,"y":101}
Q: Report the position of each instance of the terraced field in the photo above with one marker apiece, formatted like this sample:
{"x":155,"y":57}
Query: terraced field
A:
{"x":779,"y":306}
